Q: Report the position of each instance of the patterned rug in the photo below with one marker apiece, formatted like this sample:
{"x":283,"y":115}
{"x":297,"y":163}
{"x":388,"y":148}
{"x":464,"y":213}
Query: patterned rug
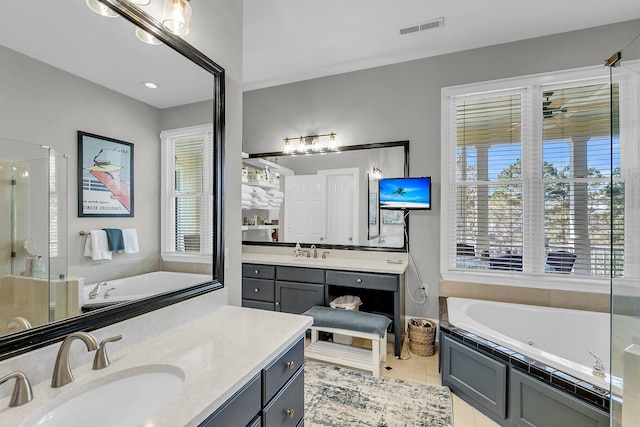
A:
{"x":337,"y":396}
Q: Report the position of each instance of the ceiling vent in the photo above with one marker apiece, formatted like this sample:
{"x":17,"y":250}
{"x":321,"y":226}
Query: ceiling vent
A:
{"x":429,"y":25}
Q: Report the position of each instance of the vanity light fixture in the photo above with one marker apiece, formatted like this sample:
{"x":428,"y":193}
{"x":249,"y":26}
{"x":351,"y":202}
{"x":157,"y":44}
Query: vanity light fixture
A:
{"x":101,"y":9}
{"x":316,"y":143}
{"x":140,"y":2}
{"x":177,"y":17}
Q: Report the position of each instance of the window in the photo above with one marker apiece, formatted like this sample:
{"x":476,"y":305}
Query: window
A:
{"x":527,"y":171}
{"x":187,"y":194}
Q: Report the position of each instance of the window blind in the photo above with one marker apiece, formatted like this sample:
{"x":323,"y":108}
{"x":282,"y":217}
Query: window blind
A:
{"x":531,"y":172}
{"x":187,"y":192}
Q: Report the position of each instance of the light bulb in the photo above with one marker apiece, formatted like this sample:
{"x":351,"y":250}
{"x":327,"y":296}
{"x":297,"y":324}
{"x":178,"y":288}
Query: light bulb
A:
{"x":177,"y":17}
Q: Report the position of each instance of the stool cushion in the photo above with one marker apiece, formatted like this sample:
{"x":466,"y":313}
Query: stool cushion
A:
{"x":349,"y":320}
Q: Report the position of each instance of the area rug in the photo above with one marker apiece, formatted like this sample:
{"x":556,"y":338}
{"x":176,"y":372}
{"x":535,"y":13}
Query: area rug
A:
{"x":335,"y":396}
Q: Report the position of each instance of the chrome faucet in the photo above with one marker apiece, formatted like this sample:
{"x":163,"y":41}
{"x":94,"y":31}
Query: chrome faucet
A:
{"x":61,"y":370}
{"x":94,"y":293}
{"x":598,"y":367}
{"x":315,"y":251}
{"x":21,"y":389}
{"x":20,"y":323}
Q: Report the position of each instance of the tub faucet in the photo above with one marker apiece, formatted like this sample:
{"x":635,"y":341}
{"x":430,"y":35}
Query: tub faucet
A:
{"x":94,"y":293}
{"x":20,"y":323}
{"x":61,"y":370}
{"x":598,"y":367}
{"x":315,"y":251}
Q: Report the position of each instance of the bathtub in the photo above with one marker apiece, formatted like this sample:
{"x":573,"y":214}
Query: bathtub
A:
{"x":140,"y":286}
{"x":560,"y":338}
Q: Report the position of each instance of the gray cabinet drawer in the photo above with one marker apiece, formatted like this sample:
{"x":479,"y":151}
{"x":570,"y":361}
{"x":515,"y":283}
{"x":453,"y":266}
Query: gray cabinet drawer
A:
{"x":300,"y":274}
{"x":383,"y":282}
{"x":262,"y":305}
{"x":240,"y":409}
{"x":258,"y":289}
{"x":287,"y":408}
{"x":258,"y":271}
{"x":533,"y":403}
{"x":477,"y":376}
{"x":276,"y":374}
{"x":256,"y":422}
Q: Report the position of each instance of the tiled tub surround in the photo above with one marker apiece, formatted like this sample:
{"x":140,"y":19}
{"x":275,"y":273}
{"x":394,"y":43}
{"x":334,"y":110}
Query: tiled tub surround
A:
{"x":219,"y":352}
{"x":593,"y":395}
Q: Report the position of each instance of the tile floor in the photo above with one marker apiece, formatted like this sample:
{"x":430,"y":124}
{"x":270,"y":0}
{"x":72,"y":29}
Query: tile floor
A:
{"x":424,"y":370}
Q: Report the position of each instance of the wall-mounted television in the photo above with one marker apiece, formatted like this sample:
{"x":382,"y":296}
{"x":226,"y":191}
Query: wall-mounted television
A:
{"x":405,"y":193}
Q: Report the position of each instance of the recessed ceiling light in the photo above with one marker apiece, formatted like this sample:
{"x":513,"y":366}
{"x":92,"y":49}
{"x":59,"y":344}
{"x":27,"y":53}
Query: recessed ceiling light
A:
{"x":150,"y":85}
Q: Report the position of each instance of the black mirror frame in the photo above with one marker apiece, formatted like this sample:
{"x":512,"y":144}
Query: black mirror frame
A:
{"x":23,"y":342}
{"x":403,"y":144}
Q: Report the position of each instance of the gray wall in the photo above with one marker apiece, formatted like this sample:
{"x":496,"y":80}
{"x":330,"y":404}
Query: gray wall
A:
{"x":402,"y":101}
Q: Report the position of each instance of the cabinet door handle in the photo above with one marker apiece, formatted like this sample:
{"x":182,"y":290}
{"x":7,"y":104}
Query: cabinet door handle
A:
{"x":256,"y":290}
{"x":256,"y":271}
{"x":321,"y":238}
{"x":290,"y":413}
{"x":291,"y":364}
{"x":359,"y":280}
{"x":277,"y":302}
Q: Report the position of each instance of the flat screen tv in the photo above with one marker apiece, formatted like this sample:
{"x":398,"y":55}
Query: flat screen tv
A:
{"x":405,"y":193}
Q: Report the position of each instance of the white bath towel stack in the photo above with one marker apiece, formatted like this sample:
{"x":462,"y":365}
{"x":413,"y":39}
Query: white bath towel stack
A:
{"x":275,"y":198}
{"x":247,"y":197}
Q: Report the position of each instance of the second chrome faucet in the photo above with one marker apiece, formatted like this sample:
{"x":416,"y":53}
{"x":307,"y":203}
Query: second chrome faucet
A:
{"x":62,"y":370}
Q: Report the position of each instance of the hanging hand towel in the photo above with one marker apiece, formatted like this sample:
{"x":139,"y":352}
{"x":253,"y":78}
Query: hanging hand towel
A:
{"x":114,"y":239}
{"x":96,"y":246}
{"x":130,"y":237}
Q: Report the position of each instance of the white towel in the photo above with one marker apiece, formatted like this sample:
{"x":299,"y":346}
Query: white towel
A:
{"x":259,"y":191}
{"x":96,"y":247}
{"x":246,"y":196}
{"x":130,"y":237}
{"x":247,"y":189}
{"x":275,"y":193}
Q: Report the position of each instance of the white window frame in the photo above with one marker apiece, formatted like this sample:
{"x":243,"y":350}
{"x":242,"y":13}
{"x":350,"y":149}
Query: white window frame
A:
{"x":529,"y":86}
{"x":168,"y":219}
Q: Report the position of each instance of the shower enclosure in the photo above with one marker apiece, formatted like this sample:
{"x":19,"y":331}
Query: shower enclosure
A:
{"x":33,"y":235}
{"x":625,"y":205}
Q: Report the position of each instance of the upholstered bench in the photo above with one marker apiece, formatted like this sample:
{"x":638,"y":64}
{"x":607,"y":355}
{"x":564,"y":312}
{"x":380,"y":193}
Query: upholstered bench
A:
{"x":356,"y":324}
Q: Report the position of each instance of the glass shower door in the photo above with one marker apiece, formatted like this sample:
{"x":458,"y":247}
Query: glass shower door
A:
{"x":625,"y":271}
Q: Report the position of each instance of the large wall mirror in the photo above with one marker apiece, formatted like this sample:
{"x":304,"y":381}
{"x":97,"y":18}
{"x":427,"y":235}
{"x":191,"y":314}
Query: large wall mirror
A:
{"x":343,"y":215}
{"x":67,"y":69}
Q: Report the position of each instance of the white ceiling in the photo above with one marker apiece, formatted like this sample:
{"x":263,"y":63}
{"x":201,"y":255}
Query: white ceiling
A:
{"x":293,"y":40}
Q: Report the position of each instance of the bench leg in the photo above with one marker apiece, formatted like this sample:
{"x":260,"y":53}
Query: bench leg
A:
{"x":383,"y":348}
{"x":375,"y":355}
{"x":314,"y":335}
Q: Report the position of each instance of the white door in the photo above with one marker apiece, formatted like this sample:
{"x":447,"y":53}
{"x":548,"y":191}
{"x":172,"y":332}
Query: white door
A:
{"x":342,"y":206}
{"x":304,"y":208}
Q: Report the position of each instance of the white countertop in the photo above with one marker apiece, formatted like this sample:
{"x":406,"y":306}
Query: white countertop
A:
{"x":218,"y":354}
{"x":391,"y":262}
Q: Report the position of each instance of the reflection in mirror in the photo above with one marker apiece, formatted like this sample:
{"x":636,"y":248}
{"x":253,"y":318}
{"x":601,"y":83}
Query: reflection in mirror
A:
{"x":323,"y":198}
{"x":78,"y":71}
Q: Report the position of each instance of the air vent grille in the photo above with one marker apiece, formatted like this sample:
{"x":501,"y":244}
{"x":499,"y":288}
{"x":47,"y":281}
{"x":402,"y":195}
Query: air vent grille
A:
{"x":429,"y":25}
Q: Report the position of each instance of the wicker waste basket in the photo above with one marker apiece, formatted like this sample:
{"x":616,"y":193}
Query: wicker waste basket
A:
{"x":422,"y":337}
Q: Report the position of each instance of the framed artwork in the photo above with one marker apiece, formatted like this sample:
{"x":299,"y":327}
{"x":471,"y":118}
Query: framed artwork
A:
{"x":105,"y":176}
{"x":392,"y":217}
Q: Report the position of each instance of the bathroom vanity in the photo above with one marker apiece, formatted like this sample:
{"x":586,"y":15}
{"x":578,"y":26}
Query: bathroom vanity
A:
{"x":282,"y":282}
{"x":236,"y":364}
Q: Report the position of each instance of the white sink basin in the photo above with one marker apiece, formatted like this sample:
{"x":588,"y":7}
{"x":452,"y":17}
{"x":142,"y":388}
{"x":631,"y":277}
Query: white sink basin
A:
{"x":125,"y":398}
{"x":305,"y":260}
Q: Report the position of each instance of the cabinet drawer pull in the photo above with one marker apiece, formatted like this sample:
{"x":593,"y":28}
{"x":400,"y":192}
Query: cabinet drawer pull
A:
{"x":359,"y":280}
{"x":291,"y":364}
{"x":256,"y":271}
{"x":290,"y":413}
{"x":256,"y":290}
{"x":277,"y":302}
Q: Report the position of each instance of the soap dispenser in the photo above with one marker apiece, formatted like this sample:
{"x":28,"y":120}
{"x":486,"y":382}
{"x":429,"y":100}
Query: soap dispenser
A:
{"x":297,"y":251}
